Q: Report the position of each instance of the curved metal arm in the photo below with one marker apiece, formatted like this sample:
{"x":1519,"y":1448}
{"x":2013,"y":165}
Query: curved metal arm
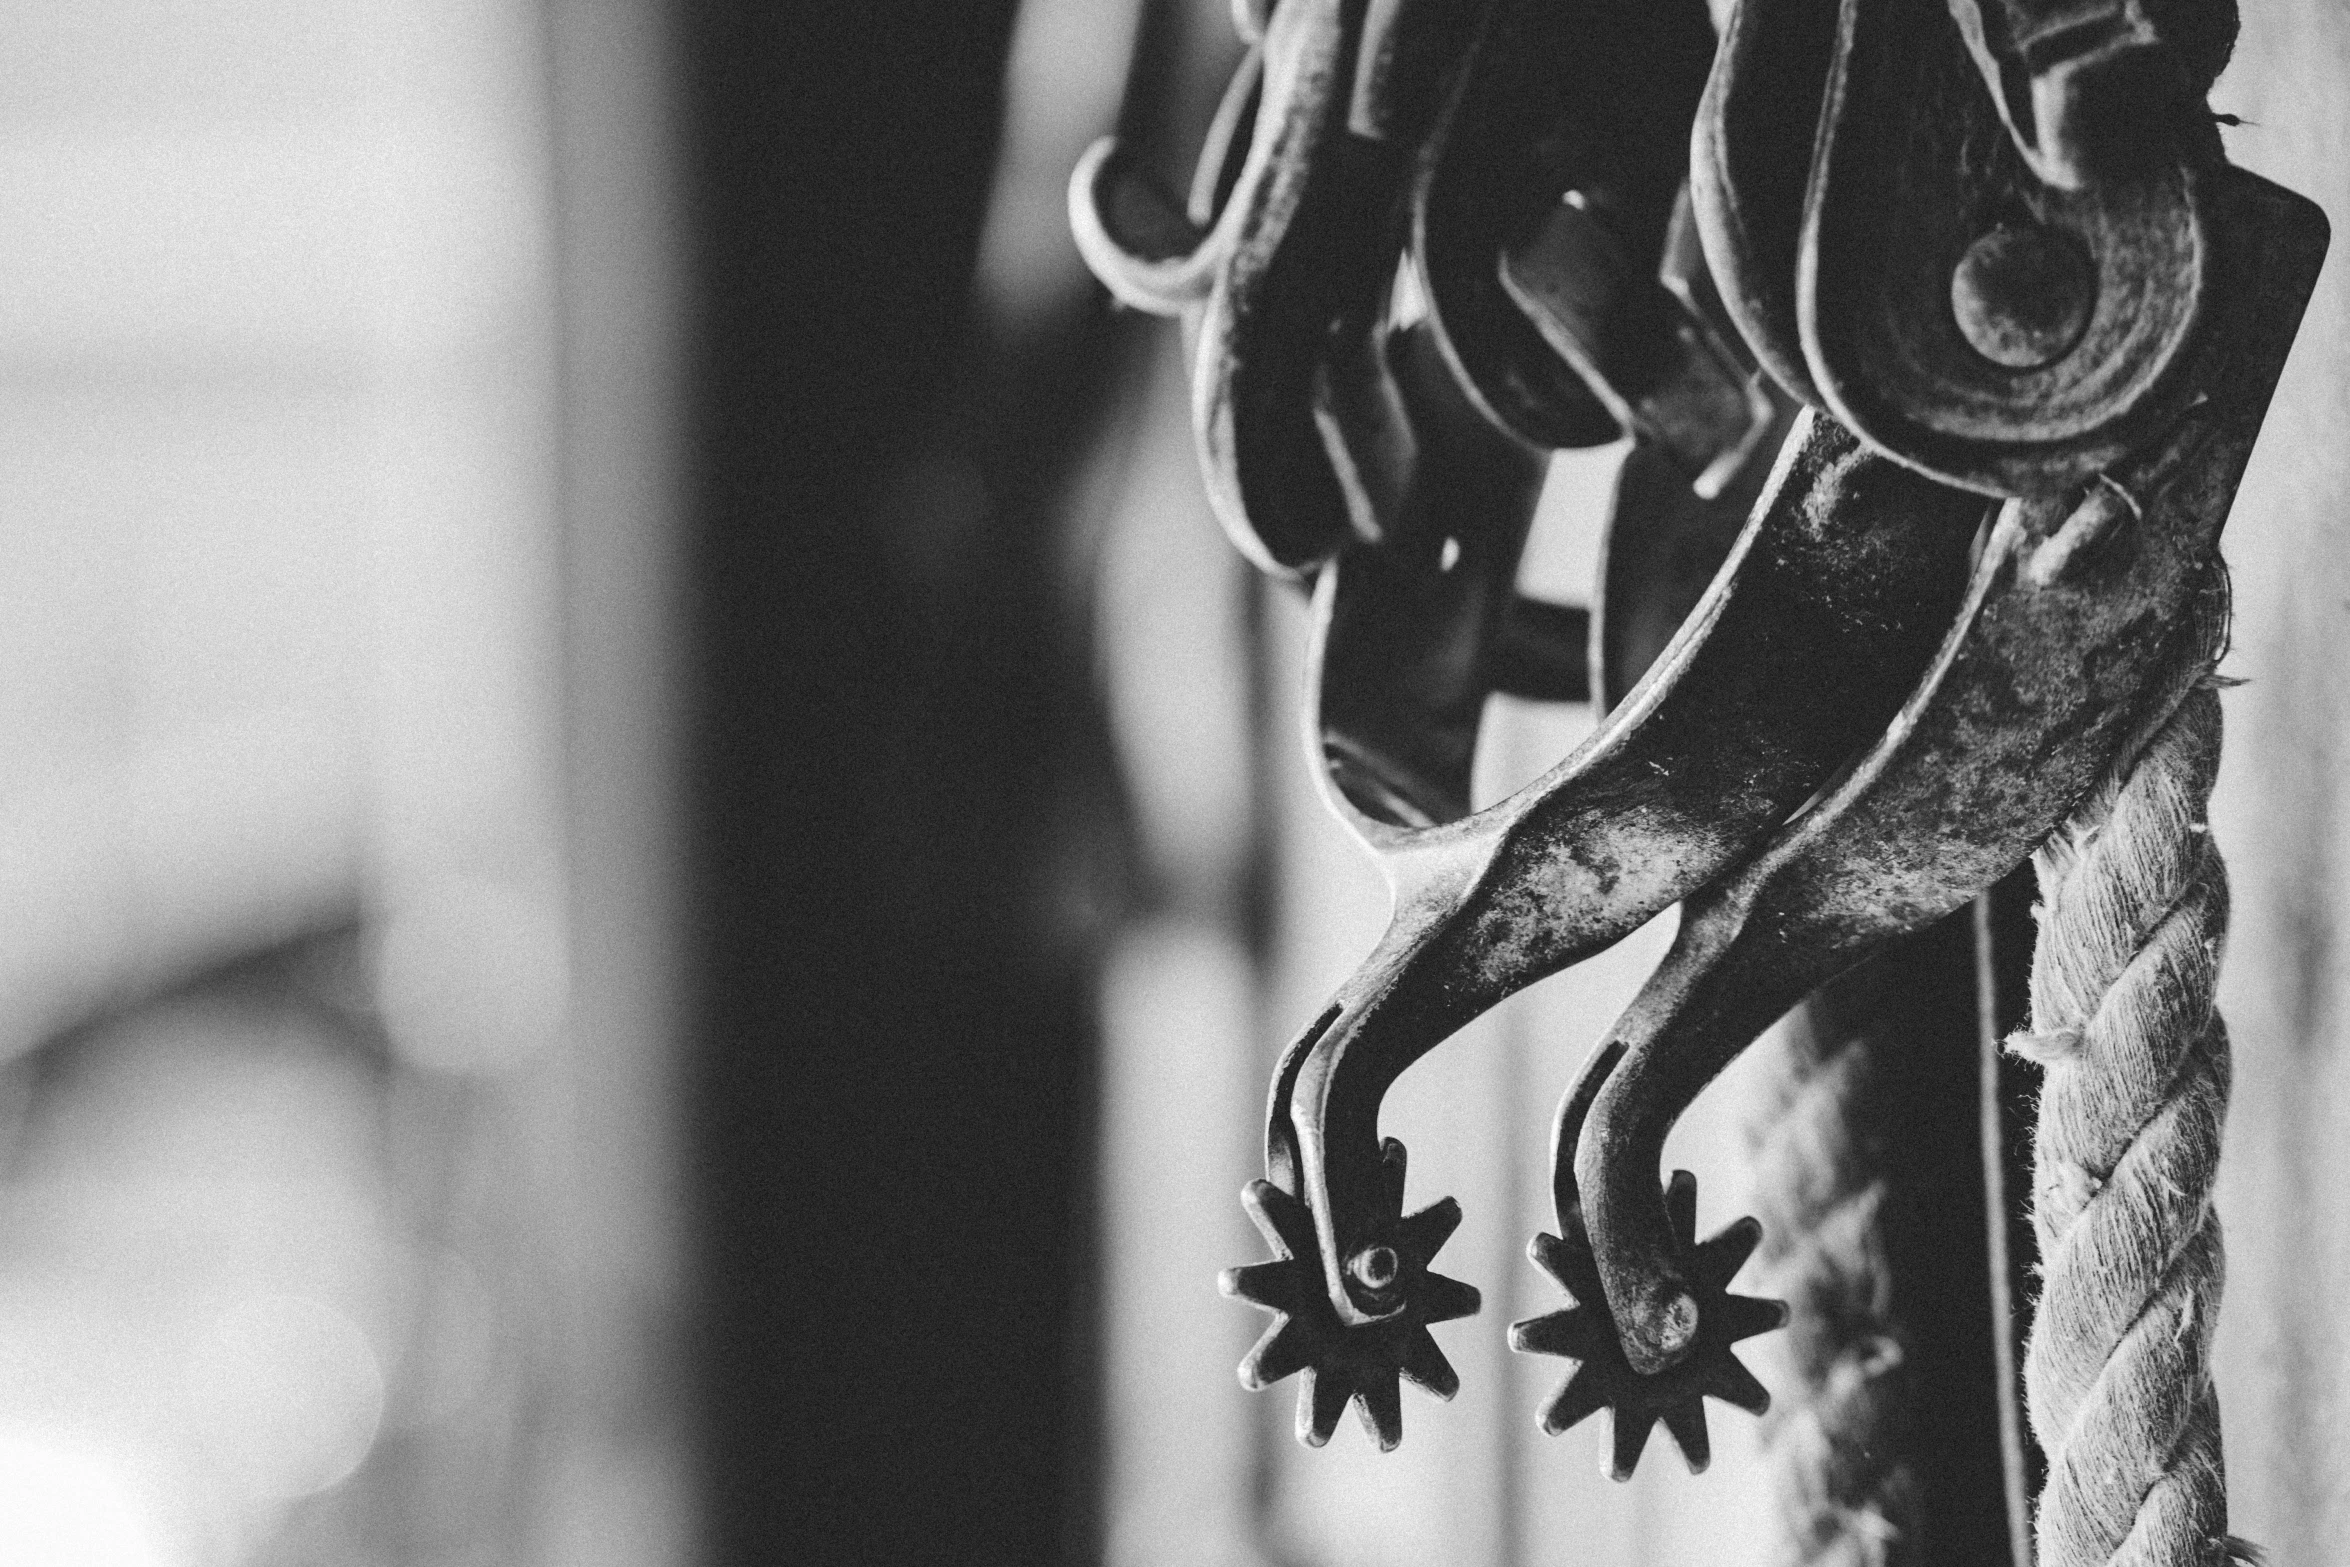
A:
{"x":1830,"y":602}
{"x":2004,"y":334}
{"x":1301,"y":253}
{"x":2058,"y":657}
{"x":1538,"y":113}
{"x":1147,"y":251}
{"x":1898,"y":262}
{"x":1750,"y":164}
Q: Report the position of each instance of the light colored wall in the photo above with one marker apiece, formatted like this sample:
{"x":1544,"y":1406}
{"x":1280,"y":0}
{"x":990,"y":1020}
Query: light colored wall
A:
{"x":2279,"y":814}
{"x":333,"y":514}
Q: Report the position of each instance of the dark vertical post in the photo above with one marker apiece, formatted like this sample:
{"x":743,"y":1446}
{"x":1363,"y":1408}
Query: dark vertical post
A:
{"x":890,"y":1073}
{"x":1918,"y":1030}
{"x":1937,"y":1238}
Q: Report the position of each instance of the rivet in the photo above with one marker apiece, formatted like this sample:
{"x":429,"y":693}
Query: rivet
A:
{"x":2023,"y":295}
{"x":1375,"y":1267}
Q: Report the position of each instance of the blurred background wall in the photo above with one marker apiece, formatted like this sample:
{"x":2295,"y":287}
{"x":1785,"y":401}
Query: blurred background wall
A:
{"x":339,"y":1211}
{"x":651,"y":856}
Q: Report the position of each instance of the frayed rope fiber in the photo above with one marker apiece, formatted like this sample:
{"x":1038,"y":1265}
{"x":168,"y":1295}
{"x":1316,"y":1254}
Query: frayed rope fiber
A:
{"x":2117,"y":1376}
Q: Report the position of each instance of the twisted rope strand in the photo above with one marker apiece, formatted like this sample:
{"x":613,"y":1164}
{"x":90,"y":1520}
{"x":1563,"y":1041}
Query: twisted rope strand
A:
{"x":2134,"y":908}
{"x":1837,"y":1433}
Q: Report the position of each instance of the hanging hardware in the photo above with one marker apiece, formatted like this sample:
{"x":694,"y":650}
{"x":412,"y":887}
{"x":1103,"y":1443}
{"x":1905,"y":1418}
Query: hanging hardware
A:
{"x":2034,"y":690}
{"x":1900,"y":263}
{"x":1431,"y":241}
{"x":1801,"y":650}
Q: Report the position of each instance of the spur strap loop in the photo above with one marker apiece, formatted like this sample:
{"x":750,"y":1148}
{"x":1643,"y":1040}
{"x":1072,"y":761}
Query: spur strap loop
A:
{"x":1981,"y":288}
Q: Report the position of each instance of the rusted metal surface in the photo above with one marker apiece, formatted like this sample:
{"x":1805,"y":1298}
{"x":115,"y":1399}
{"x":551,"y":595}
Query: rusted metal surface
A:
{"x":2032,"y":693}
{"x":1802,"y":649}
{"x":1756,"y":705}
{"x":1431,"y":241}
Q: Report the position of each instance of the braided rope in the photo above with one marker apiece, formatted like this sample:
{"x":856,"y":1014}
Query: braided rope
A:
{"x":2134,"y":906}
{"x":1837,"y":1432}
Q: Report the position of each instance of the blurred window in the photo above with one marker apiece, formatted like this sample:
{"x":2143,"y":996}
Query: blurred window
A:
{"x":310,"y":1250}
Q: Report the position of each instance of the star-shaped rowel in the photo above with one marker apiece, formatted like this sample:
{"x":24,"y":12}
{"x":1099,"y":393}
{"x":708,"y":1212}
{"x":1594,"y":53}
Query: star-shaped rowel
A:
{"x":1586,"y":1332}
{"x":1343,"y":1362}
